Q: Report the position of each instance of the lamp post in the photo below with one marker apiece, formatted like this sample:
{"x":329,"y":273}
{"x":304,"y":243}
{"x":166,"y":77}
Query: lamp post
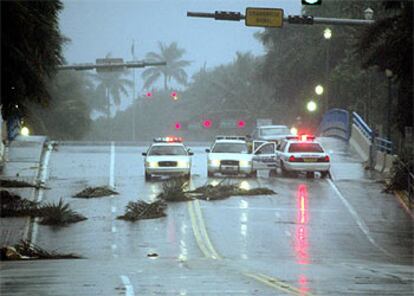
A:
{"x":327,"y":34}
{"x":369,"y":15}
{"x":389,"y":75}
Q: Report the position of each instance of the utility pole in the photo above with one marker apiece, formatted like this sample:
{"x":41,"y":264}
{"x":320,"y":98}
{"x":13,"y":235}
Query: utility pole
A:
{"x":133,"y":94}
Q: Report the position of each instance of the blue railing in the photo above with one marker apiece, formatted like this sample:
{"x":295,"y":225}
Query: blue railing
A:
{"x":13,"y":127}
{"x":381,"y":144}
{"x":335,"y":123}
{"x":360,"y":123}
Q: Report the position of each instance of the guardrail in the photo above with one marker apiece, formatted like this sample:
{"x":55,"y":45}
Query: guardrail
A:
{"x":381,"y":144}
{"x":360,"y":123}
{"x":335,"y":123}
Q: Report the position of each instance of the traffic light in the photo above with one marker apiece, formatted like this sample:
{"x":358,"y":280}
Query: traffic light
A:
{"x":311,"y":2}
{"x":300,"y":19}
{"x":241,"y":123}
{"x":174,"y":96}
{"x":148,"y":94}
{"x":208,"y":123}
{"x":178,"y":125}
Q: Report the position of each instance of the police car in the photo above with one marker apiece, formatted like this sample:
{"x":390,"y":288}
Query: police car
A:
{"x":302,"y":154}
{"x":229,"y":155}
{"x":167,"y":156}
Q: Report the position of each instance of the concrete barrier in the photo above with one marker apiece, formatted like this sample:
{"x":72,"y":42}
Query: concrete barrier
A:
{"x":388,"y":163}
{"x":380,"y":161}
{"x":360,"y":142}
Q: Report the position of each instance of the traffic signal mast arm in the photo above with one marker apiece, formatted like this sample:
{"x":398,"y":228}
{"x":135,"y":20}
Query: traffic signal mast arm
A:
{"x":290,"y":19}
{"x":90,"y":66}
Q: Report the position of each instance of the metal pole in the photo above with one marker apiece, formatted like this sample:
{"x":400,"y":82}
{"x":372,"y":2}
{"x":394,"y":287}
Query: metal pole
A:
{"x":327,"y":75}
{"x":133,"y":95}
{"x":389,"y":110}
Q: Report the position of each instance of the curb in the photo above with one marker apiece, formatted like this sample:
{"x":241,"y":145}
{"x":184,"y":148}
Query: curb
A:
{"x":402,"y":197}
{"x":27,"y":235}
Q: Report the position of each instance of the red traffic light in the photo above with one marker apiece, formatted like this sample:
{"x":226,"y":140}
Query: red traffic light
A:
{"x":177,"y":125}
{"x":174,"y":95}
{"x":148,"y":94}
{"x":241,"y":123}
{"x":208,"y":123}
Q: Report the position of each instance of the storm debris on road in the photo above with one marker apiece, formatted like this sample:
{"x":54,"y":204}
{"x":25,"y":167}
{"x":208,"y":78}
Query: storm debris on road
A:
{"x":12,"y":205}
{"x":19,"y":184}
{"x":59,"y":214}
{"x":223,"y":191}
{"x":174,"y":189}
{"x":399,"y":175}
{"x":26,"y":250}
{"x":142,"y":210}
{"x":92,"y":192}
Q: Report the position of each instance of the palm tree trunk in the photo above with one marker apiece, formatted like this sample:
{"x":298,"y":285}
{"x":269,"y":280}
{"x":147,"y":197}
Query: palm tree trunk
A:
{"x":165,"y":82}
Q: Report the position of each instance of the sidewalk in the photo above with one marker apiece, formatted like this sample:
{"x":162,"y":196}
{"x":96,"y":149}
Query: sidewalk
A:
{"x":22,"y":162}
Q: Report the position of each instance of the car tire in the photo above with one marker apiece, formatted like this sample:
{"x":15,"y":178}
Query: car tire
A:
{"x":210,"y":174}
{"x":187,"y":176}
{"x":253,"y":174}
{"x":272,"y":173}
{"x":310,"y":175}
{"x":285,"y":173}
{"x":147,"y":177}
{"x":325,"y":175}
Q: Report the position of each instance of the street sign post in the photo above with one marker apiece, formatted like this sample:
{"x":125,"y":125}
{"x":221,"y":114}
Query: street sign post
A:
{"x":264,"y":17}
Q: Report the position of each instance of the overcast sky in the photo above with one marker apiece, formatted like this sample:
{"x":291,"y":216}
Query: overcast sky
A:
{"x":98,"y":27}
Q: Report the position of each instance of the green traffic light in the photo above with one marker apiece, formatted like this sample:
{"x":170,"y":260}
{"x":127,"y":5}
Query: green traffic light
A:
{"x":311,"y":2}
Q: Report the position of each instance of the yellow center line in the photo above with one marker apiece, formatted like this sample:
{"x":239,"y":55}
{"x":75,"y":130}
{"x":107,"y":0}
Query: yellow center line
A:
{"x":206,"y":247}
{"x":203,"y":229}
{"x":196,"y":232}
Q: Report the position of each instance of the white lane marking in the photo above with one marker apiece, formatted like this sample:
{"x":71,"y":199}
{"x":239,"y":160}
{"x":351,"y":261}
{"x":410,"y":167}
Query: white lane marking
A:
{"x":43,"y":177}
{"x":113,"y":229}
{"x":113,"y":209}
{"x":128,"y":286}
{"x":112,"y":167}
{"x":114,"y":247}
{"x":361,"y":224}
{"x":288,"y":233}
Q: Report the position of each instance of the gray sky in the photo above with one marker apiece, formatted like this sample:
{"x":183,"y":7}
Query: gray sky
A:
{"x":97,"y":27}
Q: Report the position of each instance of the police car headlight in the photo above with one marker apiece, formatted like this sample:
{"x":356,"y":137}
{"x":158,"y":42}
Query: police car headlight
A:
{"x":214,"y":162}
{"x":245,"y":163}
{"x":152,"y":164}
{"x":183,"y":164}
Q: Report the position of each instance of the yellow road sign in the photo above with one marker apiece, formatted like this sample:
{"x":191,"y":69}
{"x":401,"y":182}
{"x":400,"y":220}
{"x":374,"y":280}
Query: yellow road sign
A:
{"x":264,"y":17}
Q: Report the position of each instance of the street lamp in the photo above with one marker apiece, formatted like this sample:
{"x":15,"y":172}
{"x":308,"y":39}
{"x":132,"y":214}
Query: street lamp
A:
{"x":389,"y":75}
{"x":327,"y":33}
{"x":368,"y":14}
{"x":311,"y":106}
{"x":319,"y":89}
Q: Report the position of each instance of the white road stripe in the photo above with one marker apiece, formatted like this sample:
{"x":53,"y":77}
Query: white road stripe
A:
{"x":113,"y":209}
{"x":112,"y":166}
{"x":129,"y":289}
{"x":43,"y":177}
{"x":114,"y":247}
{"x":361,"y":224}
{"x":288,"y":233}
{"x":113,"y":229}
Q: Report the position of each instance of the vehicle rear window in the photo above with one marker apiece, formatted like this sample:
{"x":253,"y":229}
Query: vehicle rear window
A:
{"x":305,"y":147}
{"x":230,"y":148}
{"x":167,"y":150}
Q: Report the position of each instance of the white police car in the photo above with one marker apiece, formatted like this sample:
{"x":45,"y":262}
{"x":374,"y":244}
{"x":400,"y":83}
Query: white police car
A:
{"x":229,"y":155}
{"x":302,"y":154}
{"x":167,"y":156}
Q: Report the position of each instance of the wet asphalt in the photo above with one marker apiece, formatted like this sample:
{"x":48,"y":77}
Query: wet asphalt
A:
{"x":342,"y":236}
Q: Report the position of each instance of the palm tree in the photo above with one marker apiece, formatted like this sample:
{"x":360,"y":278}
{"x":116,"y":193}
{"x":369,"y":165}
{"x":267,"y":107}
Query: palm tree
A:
{"x":173,"y":70}
{"x":31,"y":49}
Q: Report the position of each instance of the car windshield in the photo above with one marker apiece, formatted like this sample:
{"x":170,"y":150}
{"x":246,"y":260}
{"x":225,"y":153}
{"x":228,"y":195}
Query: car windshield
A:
{"x":274,"y":131}
{"x":230,"y":148}
{"x":305,"y":147}
{"x":167,"y":150}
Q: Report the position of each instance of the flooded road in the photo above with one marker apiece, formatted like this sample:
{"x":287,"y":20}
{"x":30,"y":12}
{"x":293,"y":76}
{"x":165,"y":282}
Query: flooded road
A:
{"x":314,"y":237}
